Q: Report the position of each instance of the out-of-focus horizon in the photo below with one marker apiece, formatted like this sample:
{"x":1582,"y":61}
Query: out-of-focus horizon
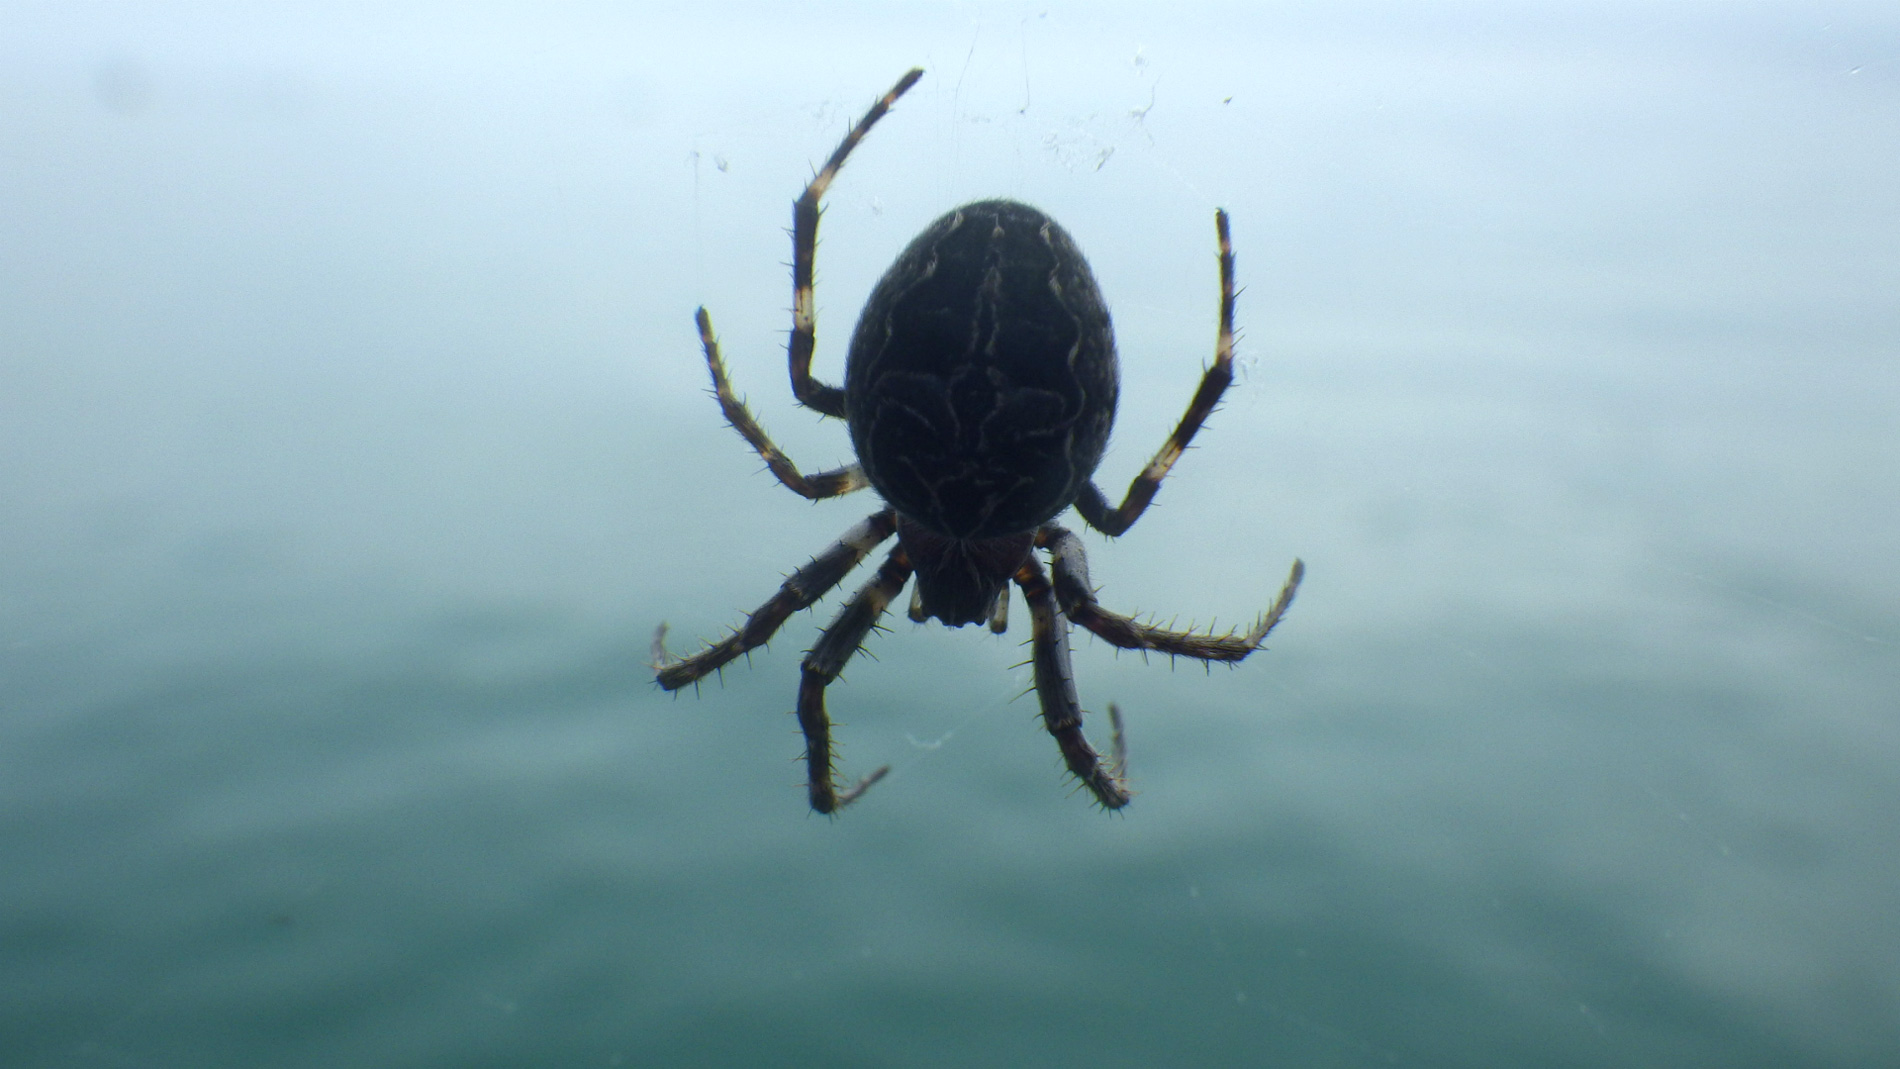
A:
{"x":355,"y":439}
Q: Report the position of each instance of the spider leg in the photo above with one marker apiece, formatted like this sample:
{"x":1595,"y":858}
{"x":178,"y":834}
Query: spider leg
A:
{"x":1055,"y":689}
{"x":799,"y":591}
{"x":1091,"y":502}
{"x":827,"y":658}
{"x":1077,"y":599}
{"x":824,"y":484}
{"x":828,"y":400}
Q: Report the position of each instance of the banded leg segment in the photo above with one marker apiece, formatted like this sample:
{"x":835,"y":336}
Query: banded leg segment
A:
{"x":1077,"y":598}
{"x":828,"y":400}
{"x":1055,"y":689}
{"x":824,"y":484}
{"x":799,"y":591}
{"x":1091,"y":502}
{"x":839,"y":642}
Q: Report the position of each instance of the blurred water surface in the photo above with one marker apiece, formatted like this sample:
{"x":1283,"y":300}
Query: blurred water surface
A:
{"x":354,"y":440}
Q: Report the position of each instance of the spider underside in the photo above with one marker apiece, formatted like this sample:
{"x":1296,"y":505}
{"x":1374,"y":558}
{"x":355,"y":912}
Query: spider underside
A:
{"x":964,"y":558}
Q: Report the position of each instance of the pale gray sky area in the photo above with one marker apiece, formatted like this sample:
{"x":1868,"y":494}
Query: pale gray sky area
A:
{"x":354,"y":437}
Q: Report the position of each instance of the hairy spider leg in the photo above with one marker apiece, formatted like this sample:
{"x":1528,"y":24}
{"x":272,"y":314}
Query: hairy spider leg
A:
{"x":843,"y":638}
{"x":815,"y":395}
{"x":1117,"y":742}
{"x":799,"y":591}
{"x":814,"y":487}
{"x":1077,"y":598}
{"x":1055,"y":689}
{"x":1091,"y":502}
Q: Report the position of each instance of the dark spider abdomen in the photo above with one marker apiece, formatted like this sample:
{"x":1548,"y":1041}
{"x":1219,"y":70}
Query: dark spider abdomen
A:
{"x":981,"y":382}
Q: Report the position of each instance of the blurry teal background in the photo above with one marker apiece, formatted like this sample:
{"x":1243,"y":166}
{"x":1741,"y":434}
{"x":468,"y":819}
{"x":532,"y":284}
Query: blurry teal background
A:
{"x":353,"y":440}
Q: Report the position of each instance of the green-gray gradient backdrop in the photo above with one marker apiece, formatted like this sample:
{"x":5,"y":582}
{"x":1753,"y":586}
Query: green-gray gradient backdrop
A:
{"x":354,"y":439}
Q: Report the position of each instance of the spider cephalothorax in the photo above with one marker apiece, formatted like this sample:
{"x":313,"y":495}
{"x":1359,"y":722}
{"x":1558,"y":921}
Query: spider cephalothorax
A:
{"x":979,"y":392}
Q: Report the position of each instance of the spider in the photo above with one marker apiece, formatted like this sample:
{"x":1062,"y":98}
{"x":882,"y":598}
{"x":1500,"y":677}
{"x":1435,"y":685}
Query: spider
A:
{"x":979,"y":391}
